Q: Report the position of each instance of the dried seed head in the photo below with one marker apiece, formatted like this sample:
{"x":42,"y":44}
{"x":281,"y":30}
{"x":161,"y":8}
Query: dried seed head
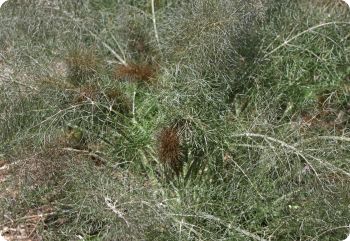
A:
{"x":82,"y":65}
{"x":144,"y":73}
{"x":87,"y":93}
{"x":119,"y":101}
{"x":169,"y":149}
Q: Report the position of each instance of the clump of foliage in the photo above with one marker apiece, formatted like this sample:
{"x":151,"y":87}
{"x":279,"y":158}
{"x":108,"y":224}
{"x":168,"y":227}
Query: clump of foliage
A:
{"x":242,"y":105}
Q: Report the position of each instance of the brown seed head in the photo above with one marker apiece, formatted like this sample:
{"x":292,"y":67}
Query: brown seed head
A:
{"x":169,"y":149}
{"x":86,"y":93}
{"x":136,"y":72}
{"x":82,"y":65}
{"x":119,"y":101}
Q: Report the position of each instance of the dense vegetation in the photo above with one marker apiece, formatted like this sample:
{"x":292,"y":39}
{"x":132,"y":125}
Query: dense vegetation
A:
{"x":175,"y":120}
